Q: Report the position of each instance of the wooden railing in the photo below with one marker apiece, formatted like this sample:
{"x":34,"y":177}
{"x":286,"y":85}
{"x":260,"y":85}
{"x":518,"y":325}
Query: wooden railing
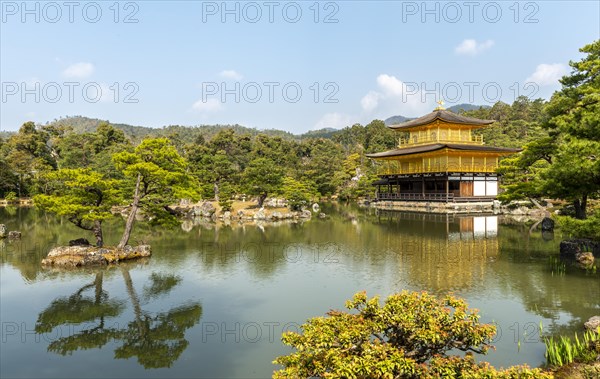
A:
{"x":416,"y":196}
{"x":384,"y":169}
{"x":453,"y":138}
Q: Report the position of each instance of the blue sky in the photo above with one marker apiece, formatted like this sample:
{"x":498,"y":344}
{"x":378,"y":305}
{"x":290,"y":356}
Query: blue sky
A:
{"x":295,"y":66}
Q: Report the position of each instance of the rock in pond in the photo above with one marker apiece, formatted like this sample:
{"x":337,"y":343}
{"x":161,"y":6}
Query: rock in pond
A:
{"x":547,"y":224}
{"x":260,"y":214}
{"x":569,"y":248}
{"x":305,"y":214}
{"x":12,"y":235}
{"x":586,"y":258}
{"x":593,"y":323}
{"x":2,"y":231}
{"x":76,"y":256}
{"x":205,"y":210}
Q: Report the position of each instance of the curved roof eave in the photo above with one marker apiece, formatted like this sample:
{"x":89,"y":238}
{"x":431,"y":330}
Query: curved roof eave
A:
{"x":443,"y":115}
{"x":439,"y":146}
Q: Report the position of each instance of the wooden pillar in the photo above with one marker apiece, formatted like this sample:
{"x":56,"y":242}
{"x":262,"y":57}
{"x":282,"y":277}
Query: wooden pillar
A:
{"x":447,"y":187}
{"x":423,"y":185}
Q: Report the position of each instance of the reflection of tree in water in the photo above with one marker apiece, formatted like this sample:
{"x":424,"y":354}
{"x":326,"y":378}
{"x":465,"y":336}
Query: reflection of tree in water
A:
{"x":157,"y":340}
{"x":572,"y":297}
{"x":161,"y":284}
{"x":77,"y":309}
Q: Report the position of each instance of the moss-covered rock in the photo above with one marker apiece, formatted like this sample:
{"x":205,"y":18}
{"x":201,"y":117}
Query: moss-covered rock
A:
{"x":77,"y":256}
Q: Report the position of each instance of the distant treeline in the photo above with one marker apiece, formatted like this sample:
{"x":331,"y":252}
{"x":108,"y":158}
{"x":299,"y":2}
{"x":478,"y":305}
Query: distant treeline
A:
{"x":82,"y":124}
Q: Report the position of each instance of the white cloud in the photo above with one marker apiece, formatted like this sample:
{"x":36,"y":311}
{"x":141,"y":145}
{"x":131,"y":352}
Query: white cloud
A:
{"x":547,"y":74}
{"x":395,"y":97}
{"x":370,"y":101}
{"x":210,"y":105}
{"x":231,"y":74}
{"x":333,"y":120}
{"x":390,"y":84}
{"x":79,"y":70}
{"x":472,"y":47}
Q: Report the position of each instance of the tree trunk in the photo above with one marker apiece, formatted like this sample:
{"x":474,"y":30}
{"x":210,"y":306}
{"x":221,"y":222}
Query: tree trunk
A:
{"x":546,"y":214}
{"x":98,"y":296}
{"x":97,"y":230}
{"x":261,"y":199}
{"x":540,"y":207}
{"x":580,"y":207}
{"x":135,"y":301}
{"x":216,"y":190}
{"x":131,"y":218}
{"x":98,"y":289}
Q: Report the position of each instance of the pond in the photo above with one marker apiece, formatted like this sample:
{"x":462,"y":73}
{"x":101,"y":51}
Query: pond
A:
{"x":213,"y":301}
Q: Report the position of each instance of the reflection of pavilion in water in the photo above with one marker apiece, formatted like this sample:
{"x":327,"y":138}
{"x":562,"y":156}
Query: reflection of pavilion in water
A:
{"x":443,"y":251}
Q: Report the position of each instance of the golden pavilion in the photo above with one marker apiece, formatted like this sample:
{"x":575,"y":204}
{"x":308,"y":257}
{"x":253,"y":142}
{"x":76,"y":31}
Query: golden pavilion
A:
{"x":438,"y":158}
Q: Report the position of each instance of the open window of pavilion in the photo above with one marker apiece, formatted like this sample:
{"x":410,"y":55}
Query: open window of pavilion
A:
{"x":439,"y":158}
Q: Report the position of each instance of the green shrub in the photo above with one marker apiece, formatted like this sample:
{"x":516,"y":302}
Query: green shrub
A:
{"x":11,"y":196}
{"x":410,"y":336}
{"x":588,"y":228}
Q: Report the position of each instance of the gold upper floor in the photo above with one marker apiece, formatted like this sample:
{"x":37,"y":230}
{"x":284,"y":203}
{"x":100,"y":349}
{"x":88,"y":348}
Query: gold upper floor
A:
{"x":440,"y":161}
{"x":439,"y":132}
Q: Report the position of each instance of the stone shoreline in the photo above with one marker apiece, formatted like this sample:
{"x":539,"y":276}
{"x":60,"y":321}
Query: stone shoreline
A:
{"x":243,"y":213}
{"x":516,"y":208}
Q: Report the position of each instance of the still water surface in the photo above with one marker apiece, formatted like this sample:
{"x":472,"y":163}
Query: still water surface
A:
{"x":213,"y":301}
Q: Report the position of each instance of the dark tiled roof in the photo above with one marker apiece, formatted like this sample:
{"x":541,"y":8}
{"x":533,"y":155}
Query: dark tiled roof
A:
{"x":407,"y":151}
{"x":457,"y":146}
{"x":444,"y":115}
{"x":380,"y":182}
{"x":438,"y":146}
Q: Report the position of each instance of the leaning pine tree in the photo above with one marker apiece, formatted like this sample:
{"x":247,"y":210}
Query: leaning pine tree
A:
{"x":158,"y":177}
